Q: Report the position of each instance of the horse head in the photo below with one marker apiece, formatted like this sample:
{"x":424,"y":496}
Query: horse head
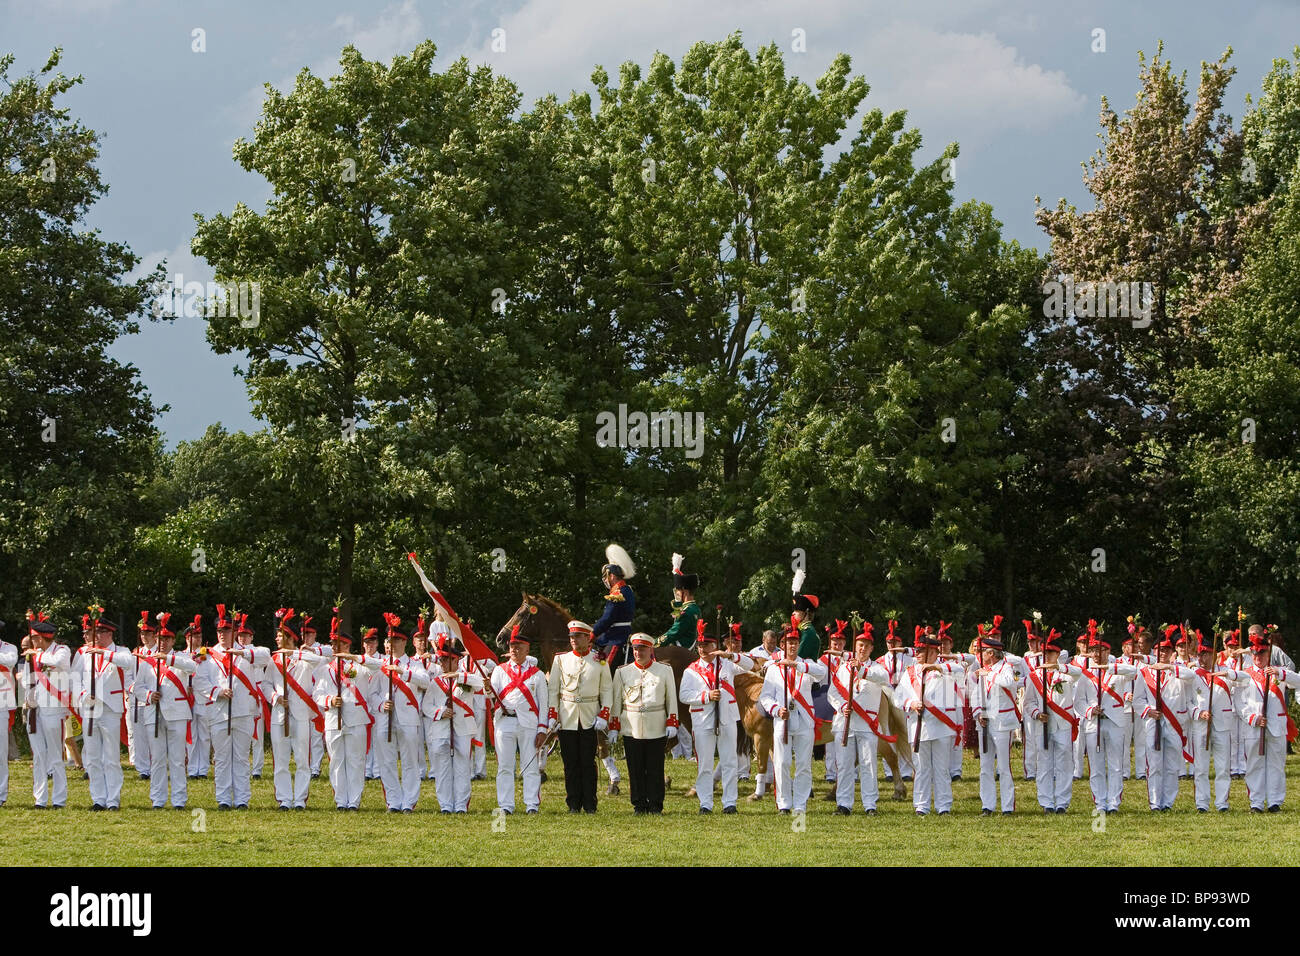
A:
{"x":543,"y":622}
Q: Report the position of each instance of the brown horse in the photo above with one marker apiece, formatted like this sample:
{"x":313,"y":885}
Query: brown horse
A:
{"x":759,"y":727}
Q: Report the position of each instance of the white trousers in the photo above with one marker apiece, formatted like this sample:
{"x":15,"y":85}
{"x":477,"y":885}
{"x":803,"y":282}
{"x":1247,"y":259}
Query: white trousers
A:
{"x":258,"y":745}
{"x":396,"y":762}
{"x":4,"y":749}
{"x":721,"y":745}
{"x":347,"y":751}
{"x":290,"y":788}
{"x":201,"y":747}
{"x":1237,"y":743}
{"x":1266,"y":775}
{"x":315,"y":748}
{"x":47,"y":758}
{"x":167,"y":756}
{"x":479,"y":754}
{"x":1106,"y":770}
{"x":933,"y":775}
{"x":1221,"y":747}
{"x":800,"y":748}
{"x":995,"y":763}
{"x":1162,"y":766}
{"x":858,"y":754}
{"x":831,"y":762}
{"x":230,"y":751}
{"x":1055,"y":771}
{"x":1032,"y":735}
{"x":513,"y":745}
{"x":140,"y":736}
{"x":101,"y":753}
{"x":1139,"y":748}
{"x":1080,"y":747}
{"x":451,"y":767}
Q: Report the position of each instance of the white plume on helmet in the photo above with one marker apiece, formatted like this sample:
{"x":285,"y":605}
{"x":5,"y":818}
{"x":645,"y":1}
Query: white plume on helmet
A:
{"x":677,"y":562}
{"x":616,"y":555}
{"x":798,"y":581}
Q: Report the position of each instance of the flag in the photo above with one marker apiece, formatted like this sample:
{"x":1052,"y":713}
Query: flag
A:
{"x":473,"y":643}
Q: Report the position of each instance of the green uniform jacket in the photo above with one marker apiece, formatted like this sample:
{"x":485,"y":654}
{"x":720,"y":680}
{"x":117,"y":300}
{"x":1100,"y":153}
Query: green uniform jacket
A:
{"x":683,"y":632}
{"x":810,"y":645}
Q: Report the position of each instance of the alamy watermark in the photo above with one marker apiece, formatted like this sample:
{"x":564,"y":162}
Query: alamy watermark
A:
{"x":213,"y":299}
{"x":1103,"y":300}
{"x":651,"y":430}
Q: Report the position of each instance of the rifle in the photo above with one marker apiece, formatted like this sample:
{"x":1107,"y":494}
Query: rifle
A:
{"x":157,"y":704}
{"x":284,"y":679}
{"x":1042,"y":675}
{"x":32,"y":666}
{"x":1159,"y":701}
{"x":1209,"y":721}
{"x":920,"y":714}
{"x":785,"y":726}
{"x":984,"y":720}
{"x":1263,"y":711}
{"x":717,"y":684}
{"x":848,"y":718}
{"x":93,"y":620}
{"x":390,"y":698}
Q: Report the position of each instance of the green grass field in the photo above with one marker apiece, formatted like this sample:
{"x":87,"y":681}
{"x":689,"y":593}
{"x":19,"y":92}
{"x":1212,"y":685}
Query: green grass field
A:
{"x":138,"y":835}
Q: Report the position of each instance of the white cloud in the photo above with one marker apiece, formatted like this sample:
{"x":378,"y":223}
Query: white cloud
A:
{"x":965,"y":84}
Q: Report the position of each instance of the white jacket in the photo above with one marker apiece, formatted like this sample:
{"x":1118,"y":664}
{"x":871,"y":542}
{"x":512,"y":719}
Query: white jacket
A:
{"x":798,"y":685}
{"x":995,"y":694}
{"x":869,"y":682}
{"x":940,"y":695}
{"x":697,"y":682}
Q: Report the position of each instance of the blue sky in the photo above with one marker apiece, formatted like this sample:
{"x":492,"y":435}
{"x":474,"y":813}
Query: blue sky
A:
{"x":1015,"y":82}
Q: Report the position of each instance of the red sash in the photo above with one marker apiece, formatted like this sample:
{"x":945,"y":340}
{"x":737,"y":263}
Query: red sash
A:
{"x":1169,"y":715}
{"x":449,"y":689}
{"x":1275,"y":688}
{"x":1217,"y":681}
{"x":1010,"y":696}
{"x":798,"y":698}
{"x":1057,"y":708}
{"x":361,"y":700}
{"x":517,"y":682}
{"x":942,"y":717}
{"x":866,"y":715}
{"x":318,"y":719}
{"x":62,"y":697}
{"x":186,"y":695}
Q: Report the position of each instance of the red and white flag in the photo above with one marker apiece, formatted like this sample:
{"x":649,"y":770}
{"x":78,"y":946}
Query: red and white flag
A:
{"x":473,"y":643}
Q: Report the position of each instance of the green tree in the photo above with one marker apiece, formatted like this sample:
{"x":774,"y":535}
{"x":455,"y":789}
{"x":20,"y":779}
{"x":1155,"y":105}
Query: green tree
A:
{"x":76,"y":424}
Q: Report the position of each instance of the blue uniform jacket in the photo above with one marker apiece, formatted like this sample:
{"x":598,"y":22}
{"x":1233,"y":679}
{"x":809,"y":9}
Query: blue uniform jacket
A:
{"x":615,"y":625}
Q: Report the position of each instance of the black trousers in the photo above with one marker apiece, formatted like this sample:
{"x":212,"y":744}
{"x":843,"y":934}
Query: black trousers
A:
{"x":645,"y":773}
{"x":578,"y":751}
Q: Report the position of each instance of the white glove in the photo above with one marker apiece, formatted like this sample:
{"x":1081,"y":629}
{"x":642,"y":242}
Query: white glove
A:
{"x":601,"y":724}
{"x":613,"y":737}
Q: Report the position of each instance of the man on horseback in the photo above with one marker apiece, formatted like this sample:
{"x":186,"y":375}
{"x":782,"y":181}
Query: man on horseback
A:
{"x":686,"y":613}
{"x":612,"y":630}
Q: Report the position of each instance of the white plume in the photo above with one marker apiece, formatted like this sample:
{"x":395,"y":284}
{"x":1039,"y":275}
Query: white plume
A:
{"x":677,"y":562}
{"x":616,"y":555}
{"x":798,"y":581}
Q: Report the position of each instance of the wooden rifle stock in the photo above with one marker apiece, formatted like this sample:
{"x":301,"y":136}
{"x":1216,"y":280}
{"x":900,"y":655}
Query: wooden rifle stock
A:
{"x":785,"y":725}
{"x":391,"y":708}
{"x":1047,"y":724}
{"x":1263,"y":715}
{"x":157,"y":704}
{"x":848,"y":718}
{"x":1159,"y":701}
{"x":284,"y":678}
{"x":920,"y":714}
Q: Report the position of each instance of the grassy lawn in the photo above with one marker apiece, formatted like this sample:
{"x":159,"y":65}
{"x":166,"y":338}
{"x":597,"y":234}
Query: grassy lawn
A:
{"x":757,"y":835}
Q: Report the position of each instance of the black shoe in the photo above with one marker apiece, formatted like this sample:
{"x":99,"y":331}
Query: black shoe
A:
{"x":223,"y":806}
{"x":1202,"y":809}
{"x":39,"y":806}
{"x":114,"y":809}
{"x":96,"y":806}
{"x":843,"y":811}
{"x":1252,"y":809}
{"x":728,"y":809}
{"x":986,"y":813}
{"x":1061,"y":809}
{"x":394,"y":809}
{"x":257,"y":776}
{"x":282,"y":807}
{"x":944,"y":813}
{"x":144,"y":776}
{"x":316,"y":775}
{"x":871,"y":812}
{"x":785,"y":812}
{"x":345,"y":809}
{"x":181,"y":807}
{"x":530,"y":811}
{"x":355,"y":809}
{"x":1048,"y":810}
{"x":1223,"y":809}
{"x":241,"y":806}
{"x":1006,"y":813}
{"x":161,"y":806}
{"x":921,"y":813}
{"x":448,"y":811}
{"x":705,"y":810}
{"x":1275,"y":808}
{"x":408,"y":809}
{"x":571,"y":810}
